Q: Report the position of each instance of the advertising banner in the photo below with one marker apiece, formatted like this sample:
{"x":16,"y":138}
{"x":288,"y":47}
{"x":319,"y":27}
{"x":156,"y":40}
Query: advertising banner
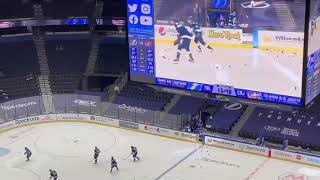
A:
{"x":290,"y":41}
{"x":129,"y":125}
{"x":169,"y":133}
{"x":210,"y":35}
{"x":105,"y":120}
{"x":296,"y":157}
{"x":237,"y":146}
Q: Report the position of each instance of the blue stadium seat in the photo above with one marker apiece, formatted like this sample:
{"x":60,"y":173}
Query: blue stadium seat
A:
{"x":275,"y":125}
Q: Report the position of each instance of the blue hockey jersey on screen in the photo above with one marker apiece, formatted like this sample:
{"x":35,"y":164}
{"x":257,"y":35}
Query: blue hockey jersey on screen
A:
{"x":197,"y":30}
{"x":183,"y":31}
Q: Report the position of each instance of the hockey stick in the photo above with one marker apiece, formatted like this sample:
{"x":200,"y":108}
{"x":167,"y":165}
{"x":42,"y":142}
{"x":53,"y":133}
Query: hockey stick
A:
{"x":126,"y":157}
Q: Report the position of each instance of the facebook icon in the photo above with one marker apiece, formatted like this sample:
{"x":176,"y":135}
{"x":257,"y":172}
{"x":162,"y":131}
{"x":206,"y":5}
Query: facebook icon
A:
{"x":133,"y":19}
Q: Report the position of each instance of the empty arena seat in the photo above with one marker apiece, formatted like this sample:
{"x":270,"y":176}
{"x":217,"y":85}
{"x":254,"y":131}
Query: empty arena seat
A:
{"x":19,"y":87}
{"x":275,"y":125}
{"x":115,"y":8}
{"x":70,"y":8}
{"x":187,"y":105}
{"x":19,"y":59}
{"x":66,"y":83}
{"x":112,"y":59}
{"x":13,"y":9}
{"x":143,"y":93}
{"x":68,"y":56}
{"x":133,"y":102}
{"x":225,"y":118}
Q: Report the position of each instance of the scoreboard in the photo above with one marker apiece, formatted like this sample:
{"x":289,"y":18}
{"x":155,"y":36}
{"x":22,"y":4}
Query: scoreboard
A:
{"x":175,"y":44}
{"x":225,"y":58}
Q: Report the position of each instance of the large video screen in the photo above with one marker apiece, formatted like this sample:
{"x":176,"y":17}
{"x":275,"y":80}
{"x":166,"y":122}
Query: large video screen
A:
{"x":313,"y":67}
{"x":241,"y":48}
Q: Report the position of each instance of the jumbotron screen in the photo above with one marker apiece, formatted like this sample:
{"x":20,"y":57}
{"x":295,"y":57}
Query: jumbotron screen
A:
{"x":313,"y":67}
{"x":247,"y":50}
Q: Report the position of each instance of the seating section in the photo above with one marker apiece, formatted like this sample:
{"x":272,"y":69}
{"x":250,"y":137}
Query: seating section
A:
{"x":68,"y":56}
{"x":187,"y":105}
{"x":313,"y":107}
{"x":11,"y":9}
{"x":112,"y":59}
{"x":300,"y":129}
{"x":14,"y":88}
{"x":70,"y":8}
{"x":226,"y":117}
{"x":18,"y":59}
{"x":135,"y":94}
{"x":63,"y":84}
{"x":133,"y":102}
{"x":114,"y":8}
{"x":168,"y":10}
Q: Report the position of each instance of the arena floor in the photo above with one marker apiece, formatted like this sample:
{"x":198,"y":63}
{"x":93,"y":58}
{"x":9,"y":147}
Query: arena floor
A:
{"x":245,"y":68}
{"x":67,"y":148}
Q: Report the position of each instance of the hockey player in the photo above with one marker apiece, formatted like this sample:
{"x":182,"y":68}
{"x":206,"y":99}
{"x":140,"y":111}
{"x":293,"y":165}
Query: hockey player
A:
{"x":285,"y":144}
{"x":134,"y":153}
{"x":53,"y":174}
{"x":96,"y":154}
{"x":28,"y":153}
{"x":185,"y":34}
{"x":233,"y":20}
{"x":199,"y":37}
{"x":177,"y":41}
{"x":260,"y":141}
{"x":114,"y":164}
{"x":221,"y":22}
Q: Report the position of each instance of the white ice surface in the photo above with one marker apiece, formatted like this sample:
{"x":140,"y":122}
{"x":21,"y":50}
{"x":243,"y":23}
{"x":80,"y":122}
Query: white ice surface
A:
{"x":67,"y":148}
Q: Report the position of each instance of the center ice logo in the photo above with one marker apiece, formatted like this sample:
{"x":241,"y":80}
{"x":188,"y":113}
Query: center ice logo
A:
{"x":292,"y":176}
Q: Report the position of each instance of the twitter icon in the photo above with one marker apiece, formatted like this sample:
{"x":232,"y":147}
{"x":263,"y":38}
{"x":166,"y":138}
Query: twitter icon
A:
{"x":132,"y":7}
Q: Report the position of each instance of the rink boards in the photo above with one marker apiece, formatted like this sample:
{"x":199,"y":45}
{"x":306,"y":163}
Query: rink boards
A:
{"x":208,"y":140}
{"x":290,"y":42}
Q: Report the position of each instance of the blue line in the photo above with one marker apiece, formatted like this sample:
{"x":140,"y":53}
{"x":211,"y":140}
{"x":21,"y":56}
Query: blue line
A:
{"x":179,"y":162}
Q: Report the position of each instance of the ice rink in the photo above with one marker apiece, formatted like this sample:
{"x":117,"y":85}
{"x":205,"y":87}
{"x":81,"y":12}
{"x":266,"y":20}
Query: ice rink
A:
{"x":245,"y":68}
{"x":67,"y":148}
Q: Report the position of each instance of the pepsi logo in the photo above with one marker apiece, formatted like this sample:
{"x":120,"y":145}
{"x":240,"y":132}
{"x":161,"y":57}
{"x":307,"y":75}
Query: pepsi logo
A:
{"x":162,"y":31}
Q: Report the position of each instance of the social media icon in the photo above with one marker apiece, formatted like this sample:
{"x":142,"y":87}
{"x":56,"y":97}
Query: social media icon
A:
{"x":146,"y":20}
{"x":145,"y":9}
{"x":132,"y":7}
{"x":133,"y":19}
{"x":134,"y":42}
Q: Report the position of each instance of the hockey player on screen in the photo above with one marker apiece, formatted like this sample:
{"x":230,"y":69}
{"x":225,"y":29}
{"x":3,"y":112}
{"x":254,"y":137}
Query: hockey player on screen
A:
{"x":114,"y":164}
{"x":233,"y":20}
{"x":177,"y":23}
{"x":96,"y":154}
{"x":134,"y":153}
{"x":199,"y":37}
{"x":53,"y":174}
{"x":221,"y":22}
{"x":185,"y":34}
{"x":28,"y":153}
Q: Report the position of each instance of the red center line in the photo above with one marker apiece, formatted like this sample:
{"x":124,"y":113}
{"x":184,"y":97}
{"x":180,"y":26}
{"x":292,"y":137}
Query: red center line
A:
{"x":258,"y":168}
